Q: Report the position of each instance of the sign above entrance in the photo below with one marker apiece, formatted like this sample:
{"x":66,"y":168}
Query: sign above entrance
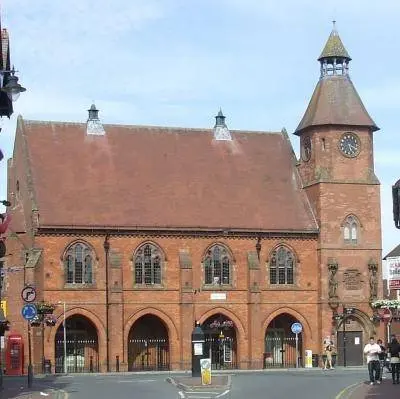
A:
{"x":393,"y":266}
{"x":297,"y":328}
{"x":218,"y":296}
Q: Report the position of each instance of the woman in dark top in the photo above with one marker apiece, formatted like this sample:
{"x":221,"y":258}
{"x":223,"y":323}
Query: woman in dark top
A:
{"x":394,"y":350}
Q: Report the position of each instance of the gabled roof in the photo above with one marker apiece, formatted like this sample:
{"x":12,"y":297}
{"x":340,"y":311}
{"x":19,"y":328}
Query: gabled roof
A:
{"x":394,"y":252}
{"x":155,"y":177}
{"x":335,"y":101}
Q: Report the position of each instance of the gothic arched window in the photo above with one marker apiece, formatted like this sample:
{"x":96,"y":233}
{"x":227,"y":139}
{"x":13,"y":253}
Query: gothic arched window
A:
{"x":79,"y":264}
{"x":148,"y":262}
{"x":281,"y":266}
{"x":217,"y":266}
{"x":350,"y":230}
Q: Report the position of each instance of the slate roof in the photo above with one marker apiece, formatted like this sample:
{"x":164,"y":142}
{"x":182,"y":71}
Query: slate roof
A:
{"x":394,"y":252}
{"x":159,"y":177}
{"x":335,"y":101}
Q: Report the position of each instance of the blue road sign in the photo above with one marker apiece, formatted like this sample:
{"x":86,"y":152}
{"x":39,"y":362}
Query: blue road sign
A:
{"x":297,"y":328}
{"x":29,"y":311}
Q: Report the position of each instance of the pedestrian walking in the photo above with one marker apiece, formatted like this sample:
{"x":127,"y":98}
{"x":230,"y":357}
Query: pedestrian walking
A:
{"x":372,"y":350}
{"x":382,"y":357}
{"x":394,"y":352}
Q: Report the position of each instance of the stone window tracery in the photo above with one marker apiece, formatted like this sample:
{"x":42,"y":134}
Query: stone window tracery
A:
{"x":217,"y":266}
{"x":350,"y":230}
{"x":79,"y":264}
{"x":281,"y":266}
{"x":148,"y":263}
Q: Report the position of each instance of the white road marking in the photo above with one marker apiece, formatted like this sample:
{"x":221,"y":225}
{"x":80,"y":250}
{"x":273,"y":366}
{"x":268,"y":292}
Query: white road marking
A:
{"x":222,"y":394}
{"x":136,"y":381}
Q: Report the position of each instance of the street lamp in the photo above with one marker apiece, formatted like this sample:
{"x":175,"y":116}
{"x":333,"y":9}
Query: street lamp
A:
{"x":12,"y":87}
{"x":396,"y":203}
{"x":65,"y":336}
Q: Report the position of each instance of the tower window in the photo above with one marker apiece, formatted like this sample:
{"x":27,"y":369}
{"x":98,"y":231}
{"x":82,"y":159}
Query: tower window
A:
{"x":350,"y":230}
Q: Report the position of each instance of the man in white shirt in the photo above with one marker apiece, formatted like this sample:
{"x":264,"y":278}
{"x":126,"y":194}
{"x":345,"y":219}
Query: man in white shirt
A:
{"x":372,"y":351}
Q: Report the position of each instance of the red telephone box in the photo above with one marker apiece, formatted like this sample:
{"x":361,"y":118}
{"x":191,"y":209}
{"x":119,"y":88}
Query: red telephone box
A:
{"x":15,"y":355}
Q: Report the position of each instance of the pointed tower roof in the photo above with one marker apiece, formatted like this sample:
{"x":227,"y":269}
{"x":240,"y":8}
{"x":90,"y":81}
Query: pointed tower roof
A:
{"x":221,"y":131}
{"x":334,"y":47}
{"x":93,"y":124}
{"x":335,"y":100}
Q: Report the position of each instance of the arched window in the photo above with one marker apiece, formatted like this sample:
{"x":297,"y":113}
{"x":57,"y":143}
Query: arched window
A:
{"x":148,"y":262}
{"x":281,"y":266}
{"x":350,"y":230}
{"x":79,"y":264}
{"x":217,"y":266}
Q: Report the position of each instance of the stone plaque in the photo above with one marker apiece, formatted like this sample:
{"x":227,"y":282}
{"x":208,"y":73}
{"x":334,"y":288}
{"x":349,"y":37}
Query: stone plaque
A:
{"x":218,"y":296}
{"x":115,"y":258}
{"x":352,"y":279}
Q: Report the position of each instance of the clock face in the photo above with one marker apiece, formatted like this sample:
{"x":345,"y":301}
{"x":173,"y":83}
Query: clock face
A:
{"x":306,"y":149}
{"x":349,"y":144}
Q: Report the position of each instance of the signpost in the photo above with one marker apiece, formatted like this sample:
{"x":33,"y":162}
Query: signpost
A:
{"x":387,"y":315}
{"x":28,"y":294}
{"x":205,"y":365}
{"x":29,"y":311}
{"x":394,"y":272}
{"x":297,"y":328}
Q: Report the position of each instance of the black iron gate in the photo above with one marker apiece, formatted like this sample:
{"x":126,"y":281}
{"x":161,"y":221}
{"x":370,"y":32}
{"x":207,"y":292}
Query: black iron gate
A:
{"x":148,"y":354}
{"x":280,"y":351}
{"x":222,"y":352}
{"x":82,"y":354}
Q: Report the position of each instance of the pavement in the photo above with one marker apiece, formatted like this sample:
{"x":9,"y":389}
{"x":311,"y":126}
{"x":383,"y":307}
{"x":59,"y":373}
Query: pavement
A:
{"x":42,"y":387}
{"x":364,"y":390}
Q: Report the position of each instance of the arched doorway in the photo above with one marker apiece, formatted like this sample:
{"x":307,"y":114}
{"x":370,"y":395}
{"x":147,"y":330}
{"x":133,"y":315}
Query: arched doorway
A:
{"x":221,"y":343}
{"x":351,"y":337}
{"x":280,"y":343}
{"x":148,"y":345}
{"x":82,"y":346}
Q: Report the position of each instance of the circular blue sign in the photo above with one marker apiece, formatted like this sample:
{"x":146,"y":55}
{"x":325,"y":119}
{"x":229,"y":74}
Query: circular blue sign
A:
{"x":29,"y":311}
{"x":297,"y":328}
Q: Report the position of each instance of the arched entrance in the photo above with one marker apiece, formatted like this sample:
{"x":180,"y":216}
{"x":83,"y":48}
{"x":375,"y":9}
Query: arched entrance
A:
{"x":82,"y":346}
{"x":148,"y":345}
{"x":351,"y":337}
{"x":221,"y":344}
{"x":280,"y":343}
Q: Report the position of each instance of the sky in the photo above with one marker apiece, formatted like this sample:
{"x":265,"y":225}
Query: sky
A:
{"x":176,"y":62}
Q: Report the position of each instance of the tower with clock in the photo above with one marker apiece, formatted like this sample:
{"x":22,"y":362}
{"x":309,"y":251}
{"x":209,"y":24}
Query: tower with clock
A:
{"x":337,"y":170}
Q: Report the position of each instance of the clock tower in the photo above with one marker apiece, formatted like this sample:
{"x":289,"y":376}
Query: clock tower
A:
{"x":337,"y":170}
